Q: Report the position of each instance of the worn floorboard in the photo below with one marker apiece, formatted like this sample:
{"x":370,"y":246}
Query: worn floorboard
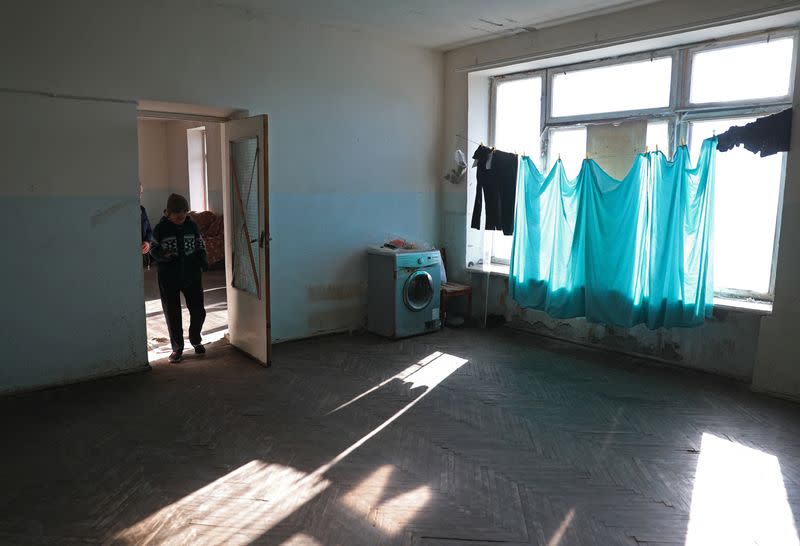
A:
{"x":460,"y":438}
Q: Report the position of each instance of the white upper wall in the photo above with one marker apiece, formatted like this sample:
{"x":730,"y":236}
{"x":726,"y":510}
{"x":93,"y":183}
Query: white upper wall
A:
{"x":331,"y":94}
{"x":153,"y":172}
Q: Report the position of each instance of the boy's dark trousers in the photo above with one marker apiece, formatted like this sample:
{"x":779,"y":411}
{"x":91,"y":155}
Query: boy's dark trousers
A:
{"x":171,"y":304}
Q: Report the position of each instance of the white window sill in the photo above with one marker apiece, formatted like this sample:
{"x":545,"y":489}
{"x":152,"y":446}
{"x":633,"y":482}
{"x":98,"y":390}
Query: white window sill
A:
{"x":733,"y":304}
{"x":498,"y":270}
{"x":743,"y":305}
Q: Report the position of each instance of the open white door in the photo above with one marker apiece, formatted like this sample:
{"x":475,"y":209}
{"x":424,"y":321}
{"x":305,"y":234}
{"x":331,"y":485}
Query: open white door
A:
{"x":246,"y":203}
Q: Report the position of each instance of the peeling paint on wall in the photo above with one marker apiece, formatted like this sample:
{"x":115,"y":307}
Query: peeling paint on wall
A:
{"x":337,"y":319}
{"x":103,"y":214}
{"x":726,"y":344}
{"x":337,"y":292}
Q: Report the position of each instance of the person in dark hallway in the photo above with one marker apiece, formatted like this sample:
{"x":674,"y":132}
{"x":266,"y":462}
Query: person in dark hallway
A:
{"x":180,"y":253}
{"x":147,"y":230}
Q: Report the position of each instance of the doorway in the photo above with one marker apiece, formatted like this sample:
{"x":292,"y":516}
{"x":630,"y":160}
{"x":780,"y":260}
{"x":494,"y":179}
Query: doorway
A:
{"x":218,"y":160}
{"x":180,"y":151}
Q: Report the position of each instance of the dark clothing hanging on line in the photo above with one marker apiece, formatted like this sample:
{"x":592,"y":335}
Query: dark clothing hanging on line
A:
{"x":497,"y":185}
{"x":768,"y":135}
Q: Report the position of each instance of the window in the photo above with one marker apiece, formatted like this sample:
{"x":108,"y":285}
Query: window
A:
{"x":744,"y":72}
{"x":197,"y":156}
{"x":568,"y":145}
{"x":518,"y":116}
{"x":614,"y":88}
{"x":746,"y":200}
{"x":612,"y":110}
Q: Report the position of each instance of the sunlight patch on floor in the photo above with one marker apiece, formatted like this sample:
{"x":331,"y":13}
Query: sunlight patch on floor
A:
{"x":248,"y":502}
{"x":301,"y":539}
{"x":234,"y":509}
{"x":739,"y":498}
{"x":394,"y":513}
{"x":559,"y":534}
{"x":428,"y":372}
{"x":161,"y":352}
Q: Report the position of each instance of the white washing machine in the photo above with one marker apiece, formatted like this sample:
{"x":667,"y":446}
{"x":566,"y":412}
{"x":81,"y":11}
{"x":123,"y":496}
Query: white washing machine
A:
{"x":403,"y":292}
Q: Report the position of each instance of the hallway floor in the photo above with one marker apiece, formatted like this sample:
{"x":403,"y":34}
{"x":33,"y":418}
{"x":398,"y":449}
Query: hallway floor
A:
{"x":214,"y":328}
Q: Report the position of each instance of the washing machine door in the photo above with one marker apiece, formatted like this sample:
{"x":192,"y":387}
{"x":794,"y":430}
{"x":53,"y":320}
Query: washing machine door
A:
{"x":418,"y":290}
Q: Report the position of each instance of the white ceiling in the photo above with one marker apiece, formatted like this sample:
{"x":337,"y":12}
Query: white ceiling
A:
{"x":440,"y":24}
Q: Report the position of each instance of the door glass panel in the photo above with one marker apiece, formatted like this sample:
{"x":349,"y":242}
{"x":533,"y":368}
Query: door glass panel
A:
{"x":419,"y":290}
{"x":245,"y":189}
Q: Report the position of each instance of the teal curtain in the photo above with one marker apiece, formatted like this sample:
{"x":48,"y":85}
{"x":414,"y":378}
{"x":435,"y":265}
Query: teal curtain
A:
{"x":619,"y":252}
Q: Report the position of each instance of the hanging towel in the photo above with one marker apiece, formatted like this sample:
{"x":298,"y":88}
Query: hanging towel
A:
{"x":618,"y":252}
{"x":768,"y":135}
{"x":497,"y":185}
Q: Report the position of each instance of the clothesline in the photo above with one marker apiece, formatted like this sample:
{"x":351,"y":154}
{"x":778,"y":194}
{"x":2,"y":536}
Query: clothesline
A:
{"x":767,"y":135}
{"x":683,"y":143}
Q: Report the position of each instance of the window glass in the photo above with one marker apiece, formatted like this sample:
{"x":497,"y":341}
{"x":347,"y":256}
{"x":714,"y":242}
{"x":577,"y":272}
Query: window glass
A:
{"x":570,"y":146}
{"x":518,"y":117}
{"x":615,"y":88}
{"x":749,"y":71}
{"x":658,"y":136}
{"x":746,"y":196}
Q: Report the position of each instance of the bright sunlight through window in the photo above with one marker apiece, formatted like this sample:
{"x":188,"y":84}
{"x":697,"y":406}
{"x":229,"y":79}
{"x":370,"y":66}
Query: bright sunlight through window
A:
{"x":747,"y":191}
{"x":570,"y":146}
{"x":518,"y":116}
{"x":614,"y":88}
{"x":744,"y":72}
{"x":748,"y":79}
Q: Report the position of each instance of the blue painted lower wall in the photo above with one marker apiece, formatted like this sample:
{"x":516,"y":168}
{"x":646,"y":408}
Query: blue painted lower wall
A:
{"x":318,"y":254}
{"x":74,"y":302}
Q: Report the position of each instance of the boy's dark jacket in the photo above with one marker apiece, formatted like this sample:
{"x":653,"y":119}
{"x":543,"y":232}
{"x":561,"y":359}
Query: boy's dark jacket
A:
{"x":179,"y":251}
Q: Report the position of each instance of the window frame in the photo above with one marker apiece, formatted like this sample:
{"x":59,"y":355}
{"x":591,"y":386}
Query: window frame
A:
{"x":691,"y":51}
{"x":679,"y":113}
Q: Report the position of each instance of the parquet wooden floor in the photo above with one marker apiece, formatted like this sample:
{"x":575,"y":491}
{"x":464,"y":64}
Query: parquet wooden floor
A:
{"x":461,"y":438}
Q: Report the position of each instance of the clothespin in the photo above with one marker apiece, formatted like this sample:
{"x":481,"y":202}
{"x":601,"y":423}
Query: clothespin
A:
{"x":656,"y":148}
{"x":683,"y":142}
{"x":647,"y":149}
{"x":559,"y":157}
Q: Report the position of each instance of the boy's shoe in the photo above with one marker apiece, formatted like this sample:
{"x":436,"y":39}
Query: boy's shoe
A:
{"x":199,"y":349}
{"x":176,"y":356}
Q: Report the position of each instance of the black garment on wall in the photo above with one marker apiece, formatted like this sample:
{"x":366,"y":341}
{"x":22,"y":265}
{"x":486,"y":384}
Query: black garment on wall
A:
{"x":497,"y":185}
{"x":768,"y":135}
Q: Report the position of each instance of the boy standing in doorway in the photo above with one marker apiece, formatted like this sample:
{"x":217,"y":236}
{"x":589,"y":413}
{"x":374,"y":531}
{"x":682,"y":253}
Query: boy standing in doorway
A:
{"x":180,"y":252}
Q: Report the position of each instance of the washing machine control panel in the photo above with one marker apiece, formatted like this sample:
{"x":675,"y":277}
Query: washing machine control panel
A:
{"x":421,"y":259}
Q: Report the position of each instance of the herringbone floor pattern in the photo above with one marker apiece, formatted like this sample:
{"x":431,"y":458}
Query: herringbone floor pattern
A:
{"x":464,"y":437}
